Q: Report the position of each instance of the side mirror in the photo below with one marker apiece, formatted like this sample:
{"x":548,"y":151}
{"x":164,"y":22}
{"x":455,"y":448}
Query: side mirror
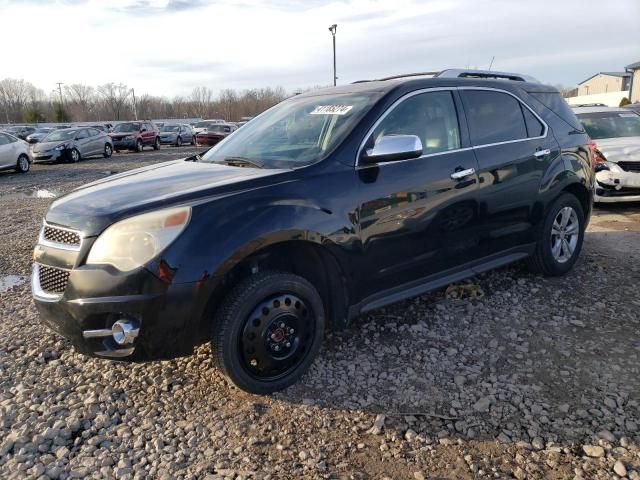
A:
{"x":142,"y":130}
{"x":392,"y":148}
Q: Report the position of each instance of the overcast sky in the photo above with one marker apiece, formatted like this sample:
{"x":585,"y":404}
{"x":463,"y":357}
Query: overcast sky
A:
{"x":167,"y":47}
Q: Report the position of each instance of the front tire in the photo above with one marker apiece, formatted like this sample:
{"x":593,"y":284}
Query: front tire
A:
{"x":179,"y":142}
{"x":74,"y":155}
{"x":23,"y":164}
{"x":560,"y":237}
{"x":267,"y":331}
{"x":156,"y":144}
{"x":139,"y":146}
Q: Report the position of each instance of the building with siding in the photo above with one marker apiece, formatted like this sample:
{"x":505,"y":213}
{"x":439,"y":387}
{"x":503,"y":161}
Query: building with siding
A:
{"x":605,"y":82}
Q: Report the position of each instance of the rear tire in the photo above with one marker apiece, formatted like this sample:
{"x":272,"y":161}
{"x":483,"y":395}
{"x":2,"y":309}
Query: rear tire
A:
{"x":179,"y":142}
{"x":560,"y":237}
{"x":23,"y":164}
{"x":267,"y":331}
{"x":139,"y":146}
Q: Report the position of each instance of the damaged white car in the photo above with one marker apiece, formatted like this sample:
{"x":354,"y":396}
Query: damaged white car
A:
{"x":615,"y":133}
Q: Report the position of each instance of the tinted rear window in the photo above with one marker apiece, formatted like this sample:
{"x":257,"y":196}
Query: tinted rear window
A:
{"x":557,"y":104}
{"x":493,"y":117}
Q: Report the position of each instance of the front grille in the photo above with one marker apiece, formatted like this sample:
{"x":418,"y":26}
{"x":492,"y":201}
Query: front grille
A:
{"x":58,"y":235}
{"x":630,"y":166}
{"x":52,"y":280}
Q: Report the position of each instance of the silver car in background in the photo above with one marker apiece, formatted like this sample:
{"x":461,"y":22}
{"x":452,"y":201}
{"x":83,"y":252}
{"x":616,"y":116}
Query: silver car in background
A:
{"x":616,"y":136}
{"x":72,"y":145}
{"x":176,"y":134}
{"x":39,"y":134}
{"x":14,"y":153}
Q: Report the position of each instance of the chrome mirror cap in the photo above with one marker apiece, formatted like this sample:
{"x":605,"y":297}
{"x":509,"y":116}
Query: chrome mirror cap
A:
{"x":392,"y":148}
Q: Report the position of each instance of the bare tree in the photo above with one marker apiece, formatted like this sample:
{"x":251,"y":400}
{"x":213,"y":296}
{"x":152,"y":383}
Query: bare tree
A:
{"x":14,"y":96}
{"x":116,"y":98}
{"x":201,"y":99}
{"x":80,"y":100}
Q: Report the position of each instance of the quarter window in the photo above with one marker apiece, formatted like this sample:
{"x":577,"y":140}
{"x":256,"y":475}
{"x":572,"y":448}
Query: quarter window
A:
{"x":430,"y":116}
{"x":493,"y":117}
{"x":534,"y":127}
{"x":3,"y":139}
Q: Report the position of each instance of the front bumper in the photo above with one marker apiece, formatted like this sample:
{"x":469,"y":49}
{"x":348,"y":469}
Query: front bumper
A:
{"x":48,"y":156}
{"x":619,"y":186}
{"x":168,"y":140}
{"x":73,"y":299}
{"x":124,"y":144}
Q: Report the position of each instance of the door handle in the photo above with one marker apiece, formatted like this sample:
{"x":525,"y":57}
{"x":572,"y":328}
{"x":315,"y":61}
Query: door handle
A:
{"x":541,"y":153}
{"x":460,"y":174}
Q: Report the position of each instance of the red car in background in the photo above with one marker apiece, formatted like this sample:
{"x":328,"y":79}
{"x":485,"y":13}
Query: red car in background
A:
{"x":215,"y":133}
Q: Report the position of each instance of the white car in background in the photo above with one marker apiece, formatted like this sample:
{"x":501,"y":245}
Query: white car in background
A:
{"x":14,"y":153}
{"x":616,"y":136}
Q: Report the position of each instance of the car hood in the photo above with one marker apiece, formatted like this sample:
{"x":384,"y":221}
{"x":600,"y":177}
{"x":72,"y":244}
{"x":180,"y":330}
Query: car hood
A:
{"x":93,"y":207}
{"x":623,"y":149}
{"x":44,"y":146}
{"x":168,"y":134}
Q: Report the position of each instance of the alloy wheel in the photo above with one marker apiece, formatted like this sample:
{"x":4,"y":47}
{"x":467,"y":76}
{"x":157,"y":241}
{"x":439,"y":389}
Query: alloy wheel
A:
{"x":565,"y":232}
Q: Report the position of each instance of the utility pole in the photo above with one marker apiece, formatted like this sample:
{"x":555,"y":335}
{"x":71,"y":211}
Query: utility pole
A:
{"x":135,"y":110}
{"x":60,"y":91}
{"x":333,"y":29}
{"x":491,"y":64}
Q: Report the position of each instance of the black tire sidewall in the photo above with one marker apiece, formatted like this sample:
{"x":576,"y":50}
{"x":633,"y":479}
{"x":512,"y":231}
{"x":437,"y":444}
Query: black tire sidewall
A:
{"x":107,"y":155}
{"x":550,"y":264}
{"x":19,"y":166}
{"x":139,"y":145}
{"x":232,"y":322}
{"x":156,"y":144}
{"x":178,"y":142}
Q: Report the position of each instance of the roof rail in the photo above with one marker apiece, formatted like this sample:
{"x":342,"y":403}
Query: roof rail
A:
{"x":462,"y":73}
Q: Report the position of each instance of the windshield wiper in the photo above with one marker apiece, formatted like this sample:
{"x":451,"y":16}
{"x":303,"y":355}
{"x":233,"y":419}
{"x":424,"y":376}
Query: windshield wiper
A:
{"x":233,"y":161}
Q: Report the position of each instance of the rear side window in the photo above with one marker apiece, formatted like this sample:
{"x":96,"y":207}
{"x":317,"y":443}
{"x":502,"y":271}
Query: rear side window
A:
{"x":534,"y":127}
{"x":493,"y":117}
{"x":3,"y":139}
{"x":557,"y":104}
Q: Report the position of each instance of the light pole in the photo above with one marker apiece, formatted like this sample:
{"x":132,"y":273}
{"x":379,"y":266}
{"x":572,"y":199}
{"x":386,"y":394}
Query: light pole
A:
{"x":333,"y":29}
{"x":135,"y":109}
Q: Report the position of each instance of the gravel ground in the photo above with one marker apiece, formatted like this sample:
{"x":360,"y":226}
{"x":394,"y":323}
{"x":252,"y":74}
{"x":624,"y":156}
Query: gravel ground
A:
{"x":537,"y":379}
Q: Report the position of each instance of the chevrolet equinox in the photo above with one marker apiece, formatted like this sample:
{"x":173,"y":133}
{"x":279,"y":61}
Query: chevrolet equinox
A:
{"x":332,"y":203}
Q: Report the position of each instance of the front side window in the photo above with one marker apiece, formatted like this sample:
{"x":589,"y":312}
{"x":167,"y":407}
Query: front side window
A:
{"x":493,"y":117}
{"x":430,"y":116}
{"x":297,"y":132}
{"x":611,"y":124}
{"x":4,"y":139}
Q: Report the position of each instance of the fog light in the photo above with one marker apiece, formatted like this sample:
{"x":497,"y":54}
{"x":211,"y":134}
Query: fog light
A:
{"x":125,"y":331}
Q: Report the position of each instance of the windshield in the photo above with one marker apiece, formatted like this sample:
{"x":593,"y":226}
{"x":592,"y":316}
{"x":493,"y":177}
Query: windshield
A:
{"x":127,"y":127}
{"x":60,"y":135}
{"x":170,"y":128}
{"x":296,"y":132}
{"x":43,"y":130}
{"x":219,"y":128}
{"x":611,"y":124}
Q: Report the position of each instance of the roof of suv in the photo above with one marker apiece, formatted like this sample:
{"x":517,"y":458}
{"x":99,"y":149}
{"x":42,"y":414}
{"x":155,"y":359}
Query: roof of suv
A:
{"x":447,"y":78}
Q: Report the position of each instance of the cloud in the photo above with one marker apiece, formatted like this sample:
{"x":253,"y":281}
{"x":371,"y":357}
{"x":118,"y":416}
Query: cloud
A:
{"x":167,"y":47}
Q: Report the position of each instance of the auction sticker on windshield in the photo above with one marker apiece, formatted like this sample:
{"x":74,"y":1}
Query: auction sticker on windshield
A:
{"x":331,"y":110}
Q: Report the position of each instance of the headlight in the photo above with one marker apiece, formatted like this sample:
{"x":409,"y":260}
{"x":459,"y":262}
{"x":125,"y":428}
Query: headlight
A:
{"x":131,"y":243}
{"x":60,"y":147}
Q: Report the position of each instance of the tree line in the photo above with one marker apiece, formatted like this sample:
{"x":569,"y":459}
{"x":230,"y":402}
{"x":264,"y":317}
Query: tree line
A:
{"x":22,"y":102}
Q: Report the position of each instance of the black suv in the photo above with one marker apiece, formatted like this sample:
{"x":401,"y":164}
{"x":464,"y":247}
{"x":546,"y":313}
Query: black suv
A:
{"x":331,"y":204}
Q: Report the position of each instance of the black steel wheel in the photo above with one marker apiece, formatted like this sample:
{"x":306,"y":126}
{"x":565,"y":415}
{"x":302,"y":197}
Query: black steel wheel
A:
{"x":268,"y":331}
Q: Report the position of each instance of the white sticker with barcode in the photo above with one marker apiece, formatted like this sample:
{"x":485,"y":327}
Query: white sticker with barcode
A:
{"x":331,"y":110}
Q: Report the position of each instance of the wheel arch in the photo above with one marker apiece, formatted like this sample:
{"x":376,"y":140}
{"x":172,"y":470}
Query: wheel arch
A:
{"x":304,"y":255}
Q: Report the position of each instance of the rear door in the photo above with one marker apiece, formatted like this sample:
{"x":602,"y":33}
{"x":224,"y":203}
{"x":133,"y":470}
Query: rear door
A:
{"x":514,"y":149}
{"x":6,"y":152}
{"x":416,"y":218}
{"x":83,"y":142}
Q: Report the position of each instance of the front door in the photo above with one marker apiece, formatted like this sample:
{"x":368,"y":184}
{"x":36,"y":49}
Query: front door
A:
{"x":6,"y":152}
{"x":419,"y":217}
